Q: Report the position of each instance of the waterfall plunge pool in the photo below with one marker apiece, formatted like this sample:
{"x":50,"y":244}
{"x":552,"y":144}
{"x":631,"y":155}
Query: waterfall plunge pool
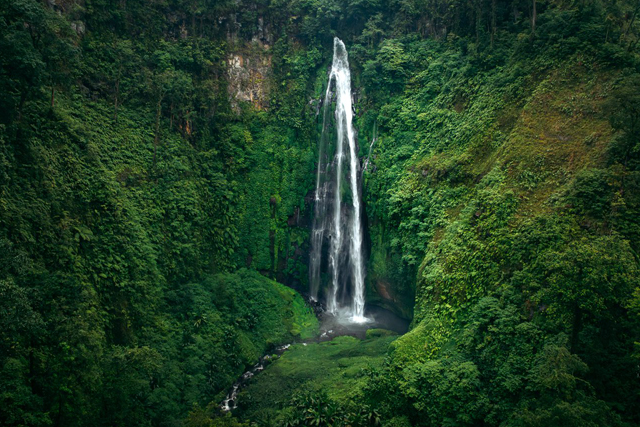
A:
{"x":342,"y":323}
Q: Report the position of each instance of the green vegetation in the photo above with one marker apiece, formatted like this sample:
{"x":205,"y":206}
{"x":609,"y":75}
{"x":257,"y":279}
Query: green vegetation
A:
{"x":128,"y":199}
{"x":510,"y":197}
{"x":324,"y":375}
{"x":149,"y":197}
{"x":203,"y":338}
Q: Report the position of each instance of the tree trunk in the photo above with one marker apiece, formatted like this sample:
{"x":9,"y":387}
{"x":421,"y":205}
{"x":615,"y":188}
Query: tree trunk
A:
{"x":534,"y":16}
{"x":53,"y":97}
{"x":157,"y":133}
{"x":23,"y":99}
{"x":631,"y":22}
{"x":575,"y":329}
{"x":32,"y":367}
{"x":493,"y":21}
{"x":478,"y":22}
{"x":115,"y":114}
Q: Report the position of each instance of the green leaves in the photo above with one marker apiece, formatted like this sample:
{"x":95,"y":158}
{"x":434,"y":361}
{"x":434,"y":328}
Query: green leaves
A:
{"x":445,"y":391}
{"x":38,"y":49}
{"x":318,"y":409}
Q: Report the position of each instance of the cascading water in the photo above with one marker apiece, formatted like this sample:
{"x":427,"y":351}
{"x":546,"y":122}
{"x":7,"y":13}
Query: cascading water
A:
{"x":333,"y":219}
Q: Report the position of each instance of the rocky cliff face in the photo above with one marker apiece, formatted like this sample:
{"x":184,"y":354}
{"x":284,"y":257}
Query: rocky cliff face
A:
{"x":248,"y":73}
{"x":249,"y":65}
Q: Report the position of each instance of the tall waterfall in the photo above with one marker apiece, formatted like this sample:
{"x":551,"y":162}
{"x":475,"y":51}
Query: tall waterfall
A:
{"x":337,"y":216}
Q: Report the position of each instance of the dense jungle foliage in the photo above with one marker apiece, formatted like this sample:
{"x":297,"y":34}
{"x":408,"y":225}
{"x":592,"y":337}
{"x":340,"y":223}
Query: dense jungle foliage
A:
{"x":145,"y":212}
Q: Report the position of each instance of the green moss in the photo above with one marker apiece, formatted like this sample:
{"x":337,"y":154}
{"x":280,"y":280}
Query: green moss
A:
{"x":379,"y":333}
{"x":303,"y":322}
{"x":336,"y":367}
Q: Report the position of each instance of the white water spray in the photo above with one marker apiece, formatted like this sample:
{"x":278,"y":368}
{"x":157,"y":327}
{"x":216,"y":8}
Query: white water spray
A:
{"x":344,"y":223}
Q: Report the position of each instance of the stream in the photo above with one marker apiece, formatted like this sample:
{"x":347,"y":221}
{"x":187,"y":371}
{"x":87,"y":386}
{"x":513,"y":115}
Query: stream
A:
{"x":331,"y":326}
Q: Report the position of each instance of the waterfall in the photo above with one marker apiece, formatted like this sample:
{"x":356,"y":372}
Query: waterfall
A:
{"x":373,"y":141}
{"x":334,"y":219}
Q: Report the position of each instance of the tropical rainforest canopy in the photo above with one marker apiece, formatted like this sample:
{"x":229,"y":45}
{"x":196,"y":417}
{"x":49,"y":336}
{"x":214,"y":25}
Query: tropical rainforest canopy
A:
{"x":157,"y":176}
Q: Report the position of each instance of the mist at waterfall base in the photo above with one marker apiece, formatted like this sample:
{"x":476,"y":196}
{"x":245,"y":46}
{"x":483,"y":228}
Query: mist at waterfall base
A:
{"x":337,"y":235}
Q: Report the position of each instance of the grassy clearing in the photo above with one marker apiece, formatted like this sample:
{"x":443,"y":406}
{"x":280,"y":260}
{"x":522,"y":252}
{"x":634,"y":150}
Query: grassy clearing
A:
{"x":337,"y":367}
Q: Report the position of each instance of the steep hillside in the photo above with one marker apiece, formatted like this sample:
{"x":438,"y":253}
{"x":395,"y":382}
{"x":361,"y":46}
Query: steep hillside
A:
{"x":131,"y":192}
{"x":511,"y":190}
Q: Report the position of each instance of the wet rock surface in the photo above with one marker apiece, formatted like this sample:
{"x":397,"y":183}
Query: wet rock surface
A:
{"x":332,"y":326}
